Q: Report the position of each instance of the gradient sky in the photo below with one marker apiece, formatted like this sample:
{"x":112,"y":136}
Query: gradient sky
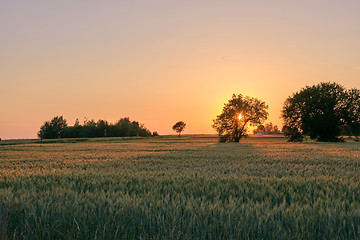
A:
{"x":159,"y":62}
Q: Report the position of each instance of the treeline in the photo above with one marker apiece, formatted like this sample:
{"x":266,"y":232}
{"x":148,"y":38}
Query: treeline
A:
{"x":268,"y":128}
{"x":58,"y":128}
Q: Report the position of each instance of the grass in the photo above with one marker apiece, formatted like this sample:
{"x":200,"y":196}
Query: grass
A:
{"x":180,"y":188}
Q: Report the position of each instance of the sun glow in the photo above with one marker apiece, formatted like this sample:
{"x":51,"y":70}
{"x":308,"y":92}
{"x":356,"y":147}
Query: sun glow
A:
{"x":240,"y":116}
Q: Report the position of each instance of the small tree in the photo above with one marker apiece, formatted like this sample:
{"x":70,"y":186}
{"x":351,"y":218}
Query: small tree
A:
{"x":179,"y":127}
{"x":237,"y":114}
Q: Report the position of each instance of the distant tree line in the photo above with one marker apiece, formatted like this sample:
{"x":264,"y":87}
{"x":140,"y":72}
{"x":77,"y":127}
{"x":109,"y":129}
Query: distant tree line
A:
{"x":268,"y":128}
{"x":58,"y":128}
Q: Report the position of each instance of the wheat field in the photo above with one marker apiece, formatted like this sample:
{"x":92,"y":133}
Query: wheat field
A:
{"x":180,"y":188}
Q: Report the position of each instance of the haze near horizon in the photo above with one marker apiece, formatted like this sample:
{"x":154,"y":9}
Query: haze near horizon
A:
{"x":159,"y":62}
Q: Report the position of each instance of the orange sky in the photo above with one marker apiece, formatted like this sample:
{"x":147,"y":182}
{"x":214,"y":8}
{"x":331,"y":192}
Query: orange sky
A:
{"x":159,"y":62}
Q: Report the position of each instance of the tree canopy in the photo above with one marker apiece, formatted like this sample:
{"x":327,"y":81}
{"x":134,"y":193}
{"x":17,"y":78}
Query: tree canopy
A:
{"x":179,"y":127}
{"x":322,"y":112}
{"x":239,"y":113}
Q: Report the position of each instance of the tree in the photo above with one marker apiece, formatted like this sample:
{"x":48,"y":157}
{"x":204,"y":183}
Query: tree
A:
{"x":259,"y":129}
{"x":269,"y":128}
{"x":276,"y":129}
{"x":102,"y":128}
{"x":89,"y":128}
{"x":237,"y":114}
{"x":52,"y":129}
{"x":179,"y":127}
{"x":321,"y":111}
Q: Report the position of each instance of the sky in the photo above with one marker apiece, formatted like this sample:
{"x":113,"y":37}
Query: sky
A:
{"x":159,"y":62}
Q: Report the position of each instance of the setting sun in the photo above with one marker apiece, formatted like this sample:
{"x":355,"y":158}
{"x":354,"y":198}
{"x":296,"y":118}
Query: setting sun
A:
{"x":240,"y":116}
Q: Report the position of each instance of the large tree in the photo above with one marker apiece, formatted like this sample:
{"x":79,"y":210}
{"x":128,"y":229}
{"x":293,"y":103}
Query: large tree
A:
{"x":240,"y":112}
{"x":321,"y":112}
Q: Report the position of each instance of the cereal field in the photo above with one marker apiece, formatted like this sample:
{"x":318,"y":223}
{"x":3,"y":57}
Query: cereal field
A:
{"x":180,"y":188}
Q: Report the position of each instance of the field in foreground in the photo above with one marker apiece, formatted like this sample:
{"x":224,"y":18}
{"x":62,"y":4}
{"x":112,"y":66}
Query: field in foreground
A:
{"x":180,"y":188}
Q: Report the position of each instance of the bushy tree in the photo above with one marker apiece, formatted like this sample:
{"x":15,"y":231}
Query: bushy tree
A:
{"x":179,"y":127}
{"x":52,"y":129}
{"x":237,"y":115}
{"x":321,"y":111}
